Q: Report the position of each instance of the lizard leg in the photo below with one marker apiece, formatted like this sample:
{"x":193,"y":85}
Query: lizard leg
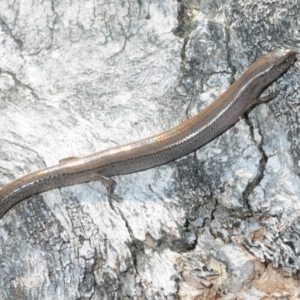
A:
{"x":110,"y":185}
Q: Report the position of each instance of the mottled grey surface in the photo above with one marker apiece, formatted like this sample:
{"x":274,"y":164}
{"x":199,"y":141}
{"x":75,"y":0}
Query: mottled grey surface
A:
{"x":78,"y":77}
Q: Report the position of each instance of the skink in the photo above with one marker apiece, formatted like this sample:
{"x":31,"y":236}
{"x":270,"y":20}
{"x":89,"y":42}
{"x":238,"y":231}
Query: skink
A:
{"x":158,"y":149}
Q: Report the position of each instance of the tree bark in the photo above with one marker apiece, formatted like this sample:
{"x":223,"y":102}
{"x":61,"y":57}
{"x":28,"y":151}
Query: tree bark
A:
{"x":77,"y":77}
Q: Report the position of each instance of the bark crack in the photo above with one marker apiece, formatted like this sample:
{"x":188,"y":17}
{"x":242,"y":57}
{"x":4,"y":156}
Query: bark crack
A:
{"x":8,"y":30}
{"x":134,"y":248}
{"x":21,"y":84}
{"x":261,"y":168}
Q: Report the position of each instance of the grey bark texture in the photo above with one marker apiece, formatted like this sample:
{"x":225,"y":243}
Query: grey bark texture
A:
{"x":80,"y":76}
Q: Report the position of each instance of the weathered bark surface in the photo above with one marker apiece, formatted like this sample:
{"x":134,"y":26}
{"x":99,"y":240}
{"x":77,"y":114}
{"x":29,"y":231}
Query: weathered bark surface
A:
{"x":80,"y":76}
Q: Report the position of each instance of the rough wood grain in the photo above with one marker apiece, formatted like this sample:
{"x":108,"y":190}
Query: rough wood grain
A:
{"x":81,"y":76}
